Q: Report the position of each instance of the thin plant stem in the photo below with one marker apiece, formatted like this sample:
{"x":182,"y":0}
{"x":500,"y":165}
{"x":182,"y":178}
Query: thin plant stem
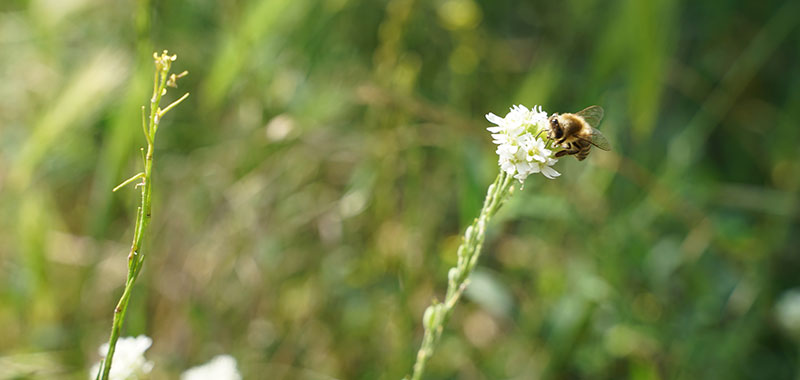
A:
{"x":437,"y":314}
{"x":144,"y":211}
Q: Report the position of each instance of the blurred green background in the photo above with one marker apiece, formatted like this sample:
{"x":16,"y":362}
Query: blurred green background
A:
{"x":310,"y":193}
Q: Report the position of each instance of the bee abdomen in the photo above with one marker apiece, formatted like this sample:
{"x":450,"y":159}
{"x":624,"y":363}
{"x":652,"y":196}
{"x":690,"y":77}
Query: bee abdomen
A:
{"x":583,"y":150}
{"x":581,"y":155}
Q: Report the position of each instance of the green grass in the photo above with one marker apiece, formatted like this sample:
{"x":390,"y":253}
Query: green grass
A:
{"x":333,"y":152}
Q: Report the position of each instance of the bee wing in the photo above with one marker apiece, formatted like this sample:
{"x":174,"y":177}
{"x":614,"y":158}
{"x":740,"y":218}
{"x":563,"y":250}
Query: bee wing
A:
{"x":599,"y":140}
{"x":592,"y":115}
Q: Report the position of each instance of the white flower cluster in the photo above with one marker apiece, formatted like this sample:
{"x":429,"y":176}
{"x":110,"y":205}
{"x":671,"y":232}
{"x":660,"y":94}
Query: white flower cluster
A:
{"x":129,"y":362}
{"x":520,"y":138}
{"x":222,"y":367}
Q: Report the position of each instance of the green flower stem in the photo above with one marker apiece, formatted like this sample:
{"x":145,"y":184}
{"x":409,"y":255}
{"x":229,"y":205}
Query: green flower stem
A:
{"x":144,"y":212}
{"x":437,"y":315}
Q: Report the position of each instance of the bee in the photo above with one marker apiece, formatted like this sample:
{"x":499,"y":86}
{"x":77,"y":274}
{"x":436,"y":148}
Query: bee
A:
{"x":577,"y":132}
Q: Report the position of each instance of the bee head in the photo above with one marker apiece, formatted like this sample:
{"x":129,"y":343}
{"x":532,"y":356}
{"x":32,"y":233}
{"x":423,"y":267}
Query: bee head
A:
{"x":556,"y":131}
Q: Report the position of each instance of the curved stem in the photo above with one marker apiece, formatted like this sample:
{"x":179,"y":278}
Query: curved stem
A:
{"x":437,"y":315}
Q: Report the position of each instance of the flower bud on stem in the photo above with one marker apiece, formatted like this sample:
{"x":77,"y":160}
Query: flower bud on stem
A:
{"x":144,"y":211}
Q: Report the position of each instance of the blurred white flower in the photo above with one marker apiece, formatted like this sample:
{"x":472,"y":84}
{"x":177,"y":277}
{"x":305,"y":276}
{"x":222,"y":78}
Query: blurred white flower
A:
{"x":520,"y":142}
{"x":222,"y":367}
{"x":787,"y":311}
{"x":128,"y":362}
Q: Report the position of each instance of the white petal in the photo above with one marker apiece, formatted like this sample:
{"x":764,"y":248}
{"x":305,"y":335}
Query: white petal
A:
{"x":508,"y":168}
{"x":550,"y":172}
{"x":494,"y":118}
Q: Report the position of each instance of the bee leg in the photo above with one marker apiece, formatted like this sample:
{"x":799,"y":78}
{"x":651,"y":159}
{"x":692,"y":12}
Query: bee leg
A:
{"x":561,"y":153}
{"x":570,"y":149}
